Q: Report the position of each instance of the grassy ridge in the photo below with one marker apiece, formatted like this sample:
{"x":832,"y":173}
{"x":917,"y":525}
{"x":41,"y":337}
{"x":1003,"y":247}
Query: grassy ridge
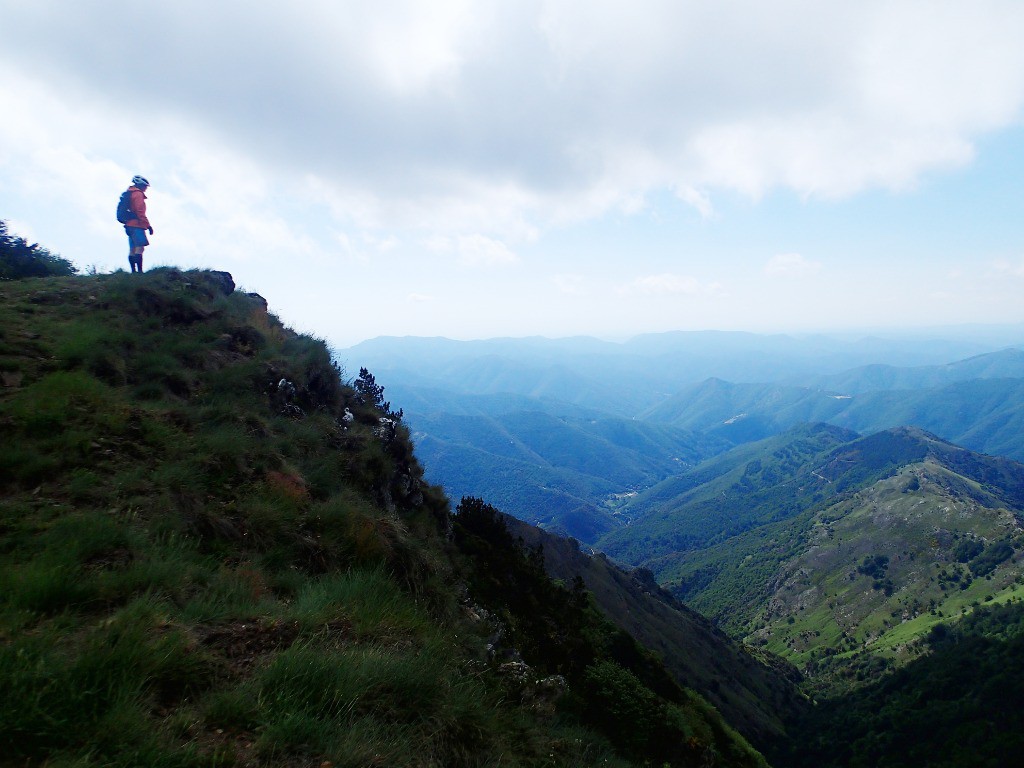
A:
{"x":176,"y":536}
{"x":213,"y":552}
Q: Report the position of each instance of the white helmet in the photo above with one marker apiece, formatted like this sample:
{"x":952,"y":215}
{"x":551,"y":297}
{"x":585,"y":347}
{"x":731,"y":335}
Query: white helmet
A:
{"x":139,"y":181}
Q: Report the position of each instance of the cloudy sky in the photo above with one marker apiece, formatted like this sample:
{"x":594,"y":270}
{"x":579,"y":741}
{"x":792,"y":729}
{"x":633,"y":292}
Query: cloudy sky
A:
{"x":481,"y":168}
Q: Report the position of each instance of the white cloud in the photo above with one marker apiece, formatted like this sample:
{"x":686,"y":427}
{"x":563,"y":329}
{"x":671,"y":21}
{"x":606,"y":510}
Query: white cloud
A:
{"x":572,"y":285}
{"x":474,"y":250}
{"x":669,"y":283}
{"x":481,"y":251}
{"x":343,"y":140}
{"x":1009,"y":267}
{"x":698,"y":199}
{"x":791,"y":265}
{"x":505,"y":118}
{"x":421,"y":298}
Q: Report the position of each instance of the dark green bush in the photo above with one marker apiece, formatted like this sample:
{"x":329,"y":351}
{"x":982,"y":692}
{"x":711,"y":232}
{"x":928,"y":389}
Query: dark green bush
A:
{"x":19,"y":259}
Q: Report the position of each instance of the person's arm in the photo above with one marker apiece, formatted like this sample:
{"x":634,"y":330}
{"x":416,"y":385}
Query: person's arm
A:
{"x":139,"y":209}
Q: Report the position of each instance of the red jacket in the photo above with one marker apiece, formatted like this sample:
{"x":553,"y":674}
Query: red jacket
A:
{"x":139,"y":209}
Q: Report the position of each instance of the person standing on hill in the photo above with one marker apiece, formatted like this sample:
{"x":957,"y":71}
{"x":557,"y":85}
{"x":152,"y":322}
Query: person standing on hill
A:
{"x":138,"y":224}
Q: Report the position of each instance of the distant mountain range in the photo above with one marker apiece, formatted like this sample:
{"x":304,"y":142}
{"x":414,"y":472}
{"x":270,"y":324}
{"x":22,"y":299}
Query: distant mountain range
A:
{"x":1003,"y":364}
{"x":626,"y":378}
{"x":563,"y":432}
{"x":975,"y":402}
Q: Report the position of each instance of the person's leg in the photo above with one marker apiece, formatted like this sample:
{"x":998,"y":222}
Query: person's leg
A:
{"x":138,"y":241}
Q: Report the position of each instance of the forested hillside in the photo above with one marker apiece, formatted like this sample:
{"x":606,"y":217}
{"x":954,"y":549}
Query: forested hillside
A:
{"x":836,"y":557}
{"x":960,"y":704}
{"x":563,"y":432}
{"x":568,"y":472}
{"x":883,"y":567}
{"x":755,"y":691}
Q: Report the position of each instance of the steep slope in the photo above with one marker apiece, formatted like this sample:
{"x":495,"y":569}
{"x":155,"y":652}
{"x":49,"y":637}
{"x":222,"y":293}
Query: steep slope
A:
{"x":566,"y":472}
{"x":962,"y":703}
{"x":914,"y":531}
{"x":214,"y":551}
{"x":753,"y":692}
{"x":750,"y":486}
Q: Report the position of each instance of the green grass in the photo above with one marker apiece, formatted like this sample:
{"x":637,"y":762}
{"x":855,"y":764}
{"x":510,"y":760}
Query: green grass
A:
{"x":190,"y":575}
{"x":830,"y":607}
{"x":367,"y":602}
{"x":97,"y":698}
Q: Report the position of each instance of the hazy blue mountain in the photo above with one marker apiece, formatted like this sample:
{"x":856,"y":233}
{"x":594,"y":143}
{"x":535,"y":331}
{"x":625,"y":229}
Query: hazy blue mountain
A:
{"x":726,"y":407}
{"x":426,"y":401}
{"x":627,"y":378}
{"x":829,"y":352}
{"x":586,"y":384}
{"x":750,"y":486}
{"x":1004,"y":364}
{"x":983,"y":414}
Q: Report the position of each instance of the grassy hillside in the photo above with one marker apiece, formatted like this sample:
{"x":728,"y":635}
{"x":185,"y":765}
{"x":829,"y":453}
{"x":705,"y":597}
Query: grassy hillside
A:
{"x":896,"y":587}
{"x":216,"y":551}
{"x":878,"y":570}
{"x":908,"y":532}
{"x":962,"y":703}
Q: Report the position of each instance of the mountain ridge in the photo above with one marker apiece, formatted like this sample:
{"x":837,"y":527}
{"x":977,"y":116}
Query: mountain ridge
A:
{"x":215,"y":550}
{"x":900,"y":522}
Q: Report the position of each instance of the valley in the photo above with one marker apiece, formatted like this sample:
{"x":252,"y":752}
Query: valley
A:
{"x":840,"y":521}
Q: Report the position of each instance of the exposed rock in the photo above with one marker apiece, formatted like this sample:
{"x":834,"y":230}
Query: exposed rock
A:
{"x":259,"y":300}
{"x":224,"y":282}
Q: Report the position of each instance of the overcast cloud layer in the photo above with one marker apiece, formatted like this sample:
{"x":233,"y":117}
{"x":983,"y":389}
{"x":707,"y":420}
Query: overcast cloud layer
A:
{"x":328,"y":132}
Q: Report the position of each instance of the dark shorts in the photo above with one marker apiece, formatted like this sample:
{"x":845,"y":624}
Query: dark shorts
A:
{"x":136,"y":237}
